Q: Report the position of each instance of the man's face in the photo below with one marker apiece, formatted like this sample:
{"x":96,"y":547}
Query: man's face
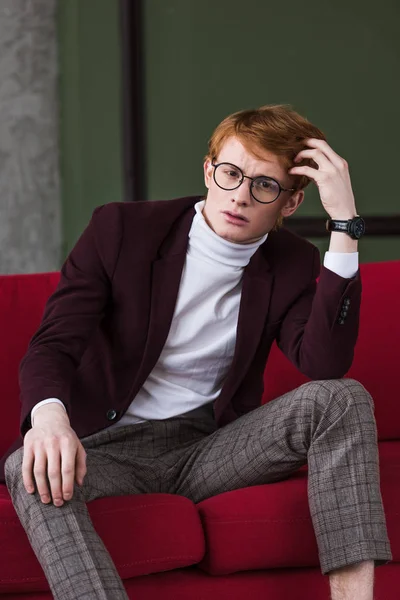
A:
{"x":261,"y":218}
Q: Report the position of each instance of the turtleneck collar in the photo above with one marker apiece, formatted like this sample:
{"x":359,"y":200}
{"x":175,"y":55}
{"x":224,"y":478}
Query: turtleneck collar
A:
{"x":206,"y":244}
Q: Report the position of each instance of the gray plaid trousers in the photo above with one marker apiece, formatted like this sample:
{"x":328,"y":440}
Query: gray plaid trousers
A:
{"x":328,"y":424}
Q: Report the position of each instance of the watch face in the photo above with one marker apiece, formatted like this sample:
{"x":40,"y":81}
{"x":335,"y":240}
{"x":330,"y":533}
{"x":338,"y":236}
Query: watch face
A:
{"x":358,"y":227}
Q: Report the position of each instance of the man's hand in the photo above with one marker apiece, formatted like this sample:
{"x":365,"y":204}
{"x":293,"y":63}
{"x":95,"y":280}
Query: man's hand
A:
{"x":52,"y":450}
{"x":332,"y":178}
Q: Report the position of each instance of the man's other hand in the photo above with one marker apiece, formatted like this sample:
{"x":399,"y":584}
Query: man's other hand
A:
{"x":53,"y":454}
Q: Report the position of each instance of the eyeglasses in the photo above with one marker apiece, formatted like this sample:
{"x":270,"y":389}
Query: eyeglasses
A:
{"x":263,"y":189}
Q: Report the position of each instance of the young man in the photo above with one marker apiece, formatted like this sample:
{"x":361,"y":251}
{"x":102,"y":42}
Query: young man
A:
{"x":157,"y":337}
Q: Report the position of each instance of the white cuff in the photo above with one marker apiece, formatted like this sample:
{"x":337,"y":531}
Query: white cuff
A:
{"x":344,"y":264}
{"x":42,"y":403}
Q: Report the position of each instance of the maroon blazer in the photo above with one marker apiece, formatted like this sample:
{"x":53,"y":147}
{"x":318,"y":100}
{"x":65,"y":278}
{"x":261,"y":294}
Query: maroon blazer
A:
{"x":105,"y":326}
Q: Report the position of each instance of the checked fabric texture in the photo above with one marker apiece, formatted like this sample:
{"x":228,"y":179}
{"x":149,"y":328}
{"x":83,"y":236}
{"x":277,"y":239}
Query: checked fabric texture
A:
{"x":329,"y":425}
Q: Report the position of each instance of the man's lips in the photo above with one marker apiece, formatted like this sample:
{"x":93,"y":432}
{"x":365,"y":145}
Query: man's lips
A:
{"x":235,"y":215}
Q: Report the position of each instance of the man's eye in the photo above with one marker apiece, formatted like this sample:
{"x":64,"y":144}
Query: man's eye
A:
{"x":265,"y":184}
{"x":233,"y":174}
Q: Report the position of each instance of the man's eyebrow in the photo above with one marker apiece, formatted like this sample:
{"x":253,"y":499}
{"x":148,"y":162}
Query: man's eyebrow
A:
{"x":259,"y":174}
{"x":263,"y":175}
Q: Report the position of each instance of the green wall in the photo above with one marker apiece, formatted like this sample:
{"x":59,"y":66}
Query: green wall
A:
{"x":90,"y":100}
{"x":336,"y":62}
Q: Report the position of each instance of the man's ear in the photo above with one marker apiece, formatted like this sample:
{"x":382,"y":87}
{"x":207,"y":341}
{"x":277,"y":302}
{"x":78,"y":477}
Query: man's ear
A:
{"x":207,"y":172}
{"x":292,"y":204}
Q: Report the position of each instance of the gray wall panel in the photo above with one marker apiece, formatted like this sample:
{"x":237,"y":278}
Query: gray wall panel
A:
{"x":29,"y":175}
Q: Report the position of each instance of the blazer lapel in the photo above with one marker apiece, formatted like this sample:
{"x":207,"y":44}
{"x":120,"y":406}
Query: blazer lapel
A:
{"x":253,"y":311}
{"x":165,"y":280}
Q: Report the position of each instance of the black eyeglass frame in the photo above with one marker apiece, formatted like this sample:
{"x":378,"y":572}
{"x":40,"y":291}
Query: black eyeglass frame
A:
{"x":252,"y":179}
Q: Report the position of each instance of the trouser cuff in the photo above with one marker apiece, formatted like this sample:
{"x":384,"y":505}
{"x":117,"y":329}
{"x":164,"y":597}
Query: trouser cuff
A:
{"x":354,"y":553}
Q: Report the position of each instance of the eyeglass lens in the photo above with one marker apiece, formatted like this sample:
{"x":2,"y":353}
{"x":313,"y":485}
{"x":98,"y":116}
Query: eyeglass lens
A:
{"x":229,"y":177}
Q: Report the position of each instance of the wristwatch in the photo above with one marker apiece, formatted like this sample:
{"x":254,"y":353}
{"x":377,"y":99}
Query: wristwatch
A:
{"x":355,"y":227}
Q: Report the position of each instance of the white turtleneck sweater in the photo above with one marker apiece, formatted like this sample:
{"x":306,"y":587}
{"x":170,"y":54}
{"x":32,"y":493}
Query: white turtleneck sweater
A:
{"x":199,"y":348}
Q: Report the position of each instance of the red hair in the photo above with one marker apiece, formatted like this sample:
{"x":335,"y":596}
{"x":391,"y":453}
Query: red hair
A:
{"x":276,"y":128}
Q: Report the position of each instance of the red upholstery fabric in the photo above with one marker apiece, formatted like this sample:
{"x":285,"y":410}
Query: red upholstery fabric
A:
{"x":259,"y":531}
{"x":144,"y":534}
{"x":260,"y":527}
{"x":269,"y":526}
{"x":22,"y":300}
{"x":277,"y":584}
{"x":376,"y":356}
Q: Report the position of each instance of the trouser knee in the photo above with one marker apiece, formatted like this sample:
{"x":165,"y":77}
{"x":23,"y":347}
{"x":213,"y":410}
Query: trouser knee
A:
{"x":336,"y":393}
{"x":337,"y":403}
{"x":13,"y":468}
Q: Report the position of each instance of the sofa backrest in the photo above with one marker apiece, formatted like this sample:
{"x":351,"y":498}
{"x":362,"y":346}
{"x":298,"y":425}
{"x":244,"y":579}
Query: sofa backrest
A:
{"x":22,"y":301}
{"x":377,"y":355}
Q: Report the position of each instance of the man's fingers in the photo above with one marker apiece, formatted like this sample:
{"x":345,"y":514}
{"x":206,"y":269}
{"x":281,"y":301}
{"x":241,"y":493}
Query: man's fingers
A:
{"x":80,"y":464}
{"x":318,"y":157}
{"x":27,"y":470}
{"x":313,"y":174}
{"x":54,"y":474}
{"x":40,"y":473}
{"x":327,"y":150}
{"x":68,"y":458}
{"x":52,"y":460}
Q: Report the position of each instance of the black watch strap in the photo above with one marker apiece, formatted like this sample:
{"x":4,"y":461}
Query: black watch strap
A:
{"x":355,"y":227}
{"x":336,"y":225}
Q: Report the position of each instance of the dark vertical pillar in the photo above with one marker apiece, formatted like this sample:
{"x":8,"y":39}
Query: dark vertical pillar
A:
{"x":133,"y":103}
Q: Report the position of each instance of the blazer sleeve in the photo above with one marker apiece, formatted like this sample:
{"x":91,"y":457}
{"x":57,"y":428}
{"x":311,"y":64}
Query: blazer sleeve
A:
{"x":319,"y":331}
{"x":71,"y":314}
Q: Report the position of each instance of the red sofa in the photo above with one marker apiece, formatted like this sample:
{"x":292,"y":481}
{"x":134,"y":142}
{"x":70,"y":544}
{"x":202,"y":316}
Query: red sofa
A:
{"x":257,"y":541}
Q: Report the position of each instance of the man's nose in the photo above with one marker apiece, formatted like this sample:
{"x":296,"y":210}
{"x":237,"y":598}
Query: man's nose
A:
{"x":242,"y":194}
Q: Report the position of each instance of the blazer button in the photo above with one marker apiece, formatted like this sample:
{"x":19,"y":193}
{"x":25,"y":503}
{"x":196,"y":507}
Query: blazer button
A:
{"x":341,"y":321}
{"x":346,"y":302}
{"x":111,"y":414}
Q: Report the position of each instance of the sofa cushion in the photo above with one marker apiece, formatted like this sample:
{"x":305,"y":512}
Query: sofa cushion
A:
{"x":144,"y":534}
{"x":376,"y":354}
{"x":389,"y":453}
{"x":265,"y":526}
{"x":269,"y":526}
